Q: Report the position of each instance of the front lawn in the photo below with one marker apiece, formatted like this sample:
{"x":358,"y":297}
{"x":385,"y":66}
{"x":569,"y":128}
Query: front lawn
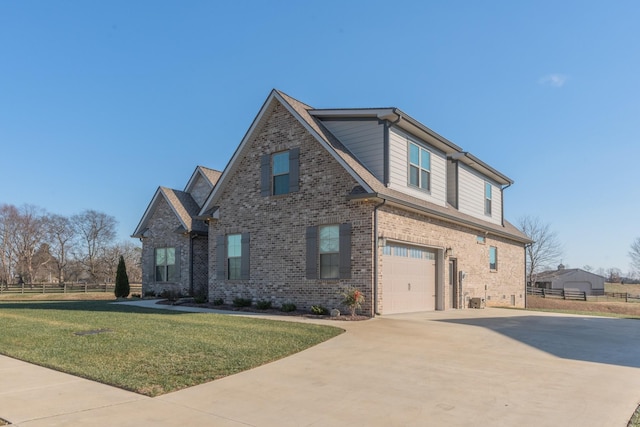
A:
{"x":151,"y":352}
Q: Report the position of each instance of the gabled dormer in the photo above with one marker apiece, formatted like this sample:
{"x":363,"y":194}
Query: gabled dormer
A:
{"x":201,"y":183}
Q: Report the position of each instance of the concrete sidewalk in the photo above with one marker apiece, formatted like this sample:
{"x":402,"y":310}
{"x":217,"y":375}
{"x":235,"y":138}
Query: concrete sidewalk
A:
{"x":488,"y":367}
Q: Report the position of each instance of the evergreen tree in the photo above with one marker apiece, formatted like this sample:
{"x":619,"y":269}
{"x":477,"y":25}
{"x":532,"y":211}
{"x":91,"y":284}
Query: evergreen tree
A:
{"x":122,"y":280}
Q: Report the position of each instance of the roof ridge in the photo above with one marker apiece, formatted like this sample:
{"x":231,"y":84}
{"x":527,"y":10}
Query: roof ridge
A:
{"x":290,"y":98}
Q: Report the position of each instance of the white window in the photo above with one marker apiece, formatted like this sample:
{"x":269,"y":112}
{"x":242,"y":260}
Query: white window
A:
{"x":493,"y":258}
{"x":329,"y":244}
{"x":280,"y":173}
{"x":487,"y":198}
{"x":165,"y":264}
{"x":234,"y":256}
{"x":419,"y":167}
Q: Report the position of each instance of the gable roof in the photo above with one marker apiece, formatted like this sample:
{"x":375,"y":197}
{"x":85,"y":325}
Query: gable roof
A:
{"x":210,"y":175}
{"x":553,"y":274}
{"x":182,"y":205}
{"x":371,"y":187}
{"x":323,"y":136}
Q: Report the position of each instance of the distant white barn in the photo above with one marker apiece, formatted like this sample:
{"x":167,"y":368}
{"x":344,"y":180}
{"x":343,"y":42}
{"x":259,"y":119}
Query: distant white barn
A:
{"x":571,"y":278}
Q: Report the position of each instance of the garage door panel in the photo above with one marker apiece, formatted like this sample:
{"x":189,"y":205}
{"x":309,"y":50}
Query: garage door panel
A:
{"x":408,"y":278}
{"x":580,"y":286}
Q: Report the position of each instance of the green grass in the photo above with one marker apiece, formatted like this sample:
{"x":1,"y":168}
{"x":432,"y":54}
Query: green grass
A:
{"x":635,"y":419}
{"x":151,"y":352}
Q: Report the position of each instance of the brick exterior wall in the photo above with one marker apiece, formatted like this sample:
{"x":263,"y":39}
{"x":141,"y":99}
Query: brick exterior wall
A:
{"x":504,"y":287}
{"x":201,"y":266}
{"x":277,"y":224}
{"x":161,"y":225}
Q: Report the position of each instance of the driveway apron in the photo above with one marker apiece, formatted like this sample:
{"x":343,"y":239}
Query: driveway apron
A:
{"x":489,"y":367}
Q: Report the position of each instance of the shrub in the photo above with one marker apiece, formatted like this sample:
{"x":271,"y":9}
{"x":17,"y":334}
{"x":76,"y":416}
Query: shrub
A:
{"x":122,"y":288}
{"x":320,"y":310}
{"x":171,"y":295}
{"x":199,"y":299}
{"x":288,"y":307}
{"x":149,"y":294}
{"x":242,"y":302}
{"x":135,"y":296}
{"x":352,"y":298}
{"x":218,"y":301}
{"x":263,"y":305}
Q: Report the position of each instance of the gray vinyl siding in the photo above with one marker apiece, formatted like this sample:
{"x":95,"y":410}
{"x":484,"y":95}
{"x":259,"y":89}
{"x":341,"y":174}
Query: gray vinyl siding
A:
{"x":471,"y":195}
{"x":364,"y":138}
{"x":399,"y":166}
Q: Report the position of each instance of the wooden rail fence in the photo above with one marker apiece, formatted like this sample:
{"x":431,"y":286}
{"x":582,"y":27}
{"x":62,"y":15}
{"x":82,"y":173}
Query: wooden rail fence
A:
{"x":48,"y":288}
{"x":569,"y":294}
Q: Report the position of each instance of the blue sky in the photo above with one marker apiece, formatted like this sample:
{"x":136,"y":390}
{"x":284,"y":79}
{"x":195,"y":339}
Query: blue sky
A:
{"x":102,"y":102}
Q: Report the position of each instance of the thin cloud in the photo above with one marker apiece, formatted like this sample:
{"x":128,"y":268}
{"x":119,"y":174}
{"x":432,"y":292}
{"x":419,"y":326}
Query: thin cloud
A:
{"x":553,"y":80}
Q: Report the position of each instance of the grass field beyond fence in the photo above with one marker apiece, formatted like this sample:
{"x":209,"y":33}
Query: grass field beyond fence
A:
{"x":150,"y":352}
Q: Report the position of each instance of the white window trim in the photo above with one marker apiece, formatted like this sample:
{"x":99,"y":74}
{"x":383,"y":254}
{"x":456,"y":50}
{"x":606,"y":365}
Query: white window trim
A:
{"x":419,"y":166}
{"x":488,"y":198}
{"x":495,"y":267}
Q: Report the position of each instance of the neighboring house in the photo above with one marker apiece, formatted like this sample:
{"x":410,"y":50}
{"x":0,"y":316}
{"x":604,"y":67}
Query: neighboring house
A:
{"x":571,"y":278}
{"x":316,"y":200}
{"x":174,"y":241}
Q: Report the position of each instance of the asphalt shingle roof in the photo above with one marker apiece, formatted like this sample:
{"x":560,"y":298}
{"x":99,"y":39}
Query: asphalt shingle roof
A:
{"x":185,"y":207}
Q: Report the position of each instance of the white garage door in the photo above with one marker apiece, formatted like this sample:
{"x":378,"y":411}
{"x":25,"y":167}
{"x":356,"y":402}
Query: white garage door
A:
{"x":408,"y":279}
{"x":580,"y":286}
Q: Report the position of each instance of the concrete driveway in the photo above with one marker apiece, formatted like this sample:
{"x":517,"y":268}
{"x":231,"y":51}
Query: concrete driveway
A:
{"x":490,"y":367}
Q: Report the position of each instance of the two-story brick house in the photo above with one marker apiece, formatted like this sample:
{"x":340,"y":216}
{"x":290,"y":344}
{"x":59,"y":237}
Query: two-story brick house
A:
{"x":313,"y":201}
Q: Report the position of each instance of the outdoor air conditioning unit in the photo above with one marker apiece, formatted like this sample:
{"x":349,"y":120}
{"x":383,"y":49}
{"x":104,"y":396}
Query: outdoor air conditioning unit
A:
{"x":475,"y":303}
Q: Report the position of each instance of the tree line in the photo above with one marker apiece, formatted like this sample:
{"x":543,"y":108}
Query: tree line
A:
{"x":41,"y":247}
{"x":545,"y":253}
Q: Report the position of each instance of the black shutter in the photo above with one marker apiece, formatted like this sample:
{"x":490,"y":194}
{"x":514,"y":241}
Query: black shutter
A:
{"x":294,"y":169}
{"x":150,"y":267}
{"x":312,"y":252}
{"x":220,"y":257}
{"x":345,"y":251}
{"x":244,"y":261}
{"x":177,"y":275}
{"x":265,"y":175}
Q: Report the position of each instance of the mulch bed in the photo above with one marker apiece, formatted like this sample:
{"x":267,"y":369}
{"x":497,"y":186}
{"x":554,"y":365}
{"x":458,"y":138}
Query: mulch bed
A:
{"x":270,"y":311}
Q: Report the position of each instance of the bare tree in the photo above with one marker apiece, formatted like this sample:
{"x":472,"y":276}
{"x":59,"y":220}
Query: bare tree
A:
{"x":110,"y":257}
{"x":29,"y":234}
{"x":8,"y":259}
{"x":60,"y":234}
{"x":634,"y":253}
{"x":133,"y":259}
{"x":44,"y":264}
{"x":96,"y":231}
{"x":108,"y":262}
{"x":545,"y":250}
{"x":613,"y":275}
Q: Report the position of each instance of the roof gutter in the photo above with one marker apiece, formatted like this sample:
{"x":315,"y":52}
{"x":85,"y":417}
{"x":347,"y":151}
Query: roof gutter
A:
{"x":502,"y":202}
{"x":386,"y":144}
